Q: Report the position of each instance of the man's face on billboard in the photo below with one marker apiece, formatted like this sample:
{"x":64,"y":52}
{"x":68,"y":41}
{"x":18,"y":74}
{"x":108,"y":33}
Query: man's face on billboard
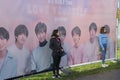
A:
{"x":41,"y":36}
{"x":92,"y":33}
{"x":3,"y":43}
{"x":21,"y":39}
{"x":76,"y":38}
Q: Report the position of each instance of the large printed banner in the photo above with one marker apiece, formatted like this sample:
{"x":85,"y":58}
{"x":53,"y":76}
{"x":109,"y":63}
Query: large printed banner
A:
{"x":31,"y":22}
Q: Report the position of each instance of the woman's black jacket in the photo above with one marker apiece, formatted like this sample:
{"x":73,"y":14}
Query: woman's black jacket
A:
{"x":55,"y":45}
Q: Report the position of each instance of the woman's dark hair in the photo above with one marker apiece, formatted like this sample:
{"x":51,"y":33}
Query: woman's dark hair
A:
{"x":54,"y":33}
{"x":102,"y":30}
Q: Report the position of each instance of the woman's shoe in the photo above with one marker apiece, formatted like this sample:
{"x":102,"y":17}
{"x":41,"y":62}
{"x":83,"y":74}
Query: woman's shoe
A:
{"x":54,"y":76}
{"x":59,"y":76}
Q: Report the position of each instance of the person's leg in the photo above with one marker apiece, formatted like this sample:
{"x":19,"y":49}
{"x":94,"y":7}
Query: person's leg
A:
{"x":104,"y":55}
{"x":105,"y":47}
{"x":54,"y":65}
{"x":58,"y":64}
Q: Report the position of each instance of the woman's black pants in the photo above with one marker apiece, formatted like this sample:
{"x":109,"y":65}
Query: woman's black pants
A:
{"x":56,"y":63}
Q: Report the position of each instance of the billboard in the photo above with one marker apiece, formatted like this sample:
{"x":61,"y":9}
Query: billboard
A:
{"x":73,"y":18}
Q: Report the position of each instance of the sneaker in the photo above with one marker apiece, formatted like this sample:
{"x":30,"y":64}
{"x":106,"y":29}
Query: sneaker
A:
{"x":60,"y":71}
{"x":54,"y":76}
{"x":59,"y":76}
{"x":104,"y":65}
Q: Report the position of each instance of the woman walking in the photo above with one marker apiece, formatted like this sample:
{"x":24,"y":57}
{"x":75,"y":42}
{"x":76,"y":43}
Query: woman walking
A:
{"x":55,"y":45}
{"x":103,"y":40}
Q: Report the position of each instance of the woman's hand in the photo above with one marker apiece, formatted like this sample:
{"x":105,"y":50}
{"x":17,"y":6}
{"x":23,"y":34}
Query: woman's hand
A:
{"x":61,"y":49}
{"x":103,"y":49}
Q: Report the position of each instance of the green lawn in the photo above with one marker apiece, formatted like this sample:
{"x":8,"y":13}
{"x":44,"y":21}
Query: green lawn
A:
{"x":118,"y":43}
{"x":77,"y":72}
{"x":118,"y":48}
{"x":118,"y":53}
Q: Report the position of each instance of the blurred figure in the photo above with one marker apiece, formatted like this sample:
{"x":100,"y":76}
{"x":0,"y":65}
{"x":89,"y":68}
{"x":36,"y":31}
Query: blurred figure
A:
{"x":65,"y":45}
{"x":55,"y":45}
{"x":20,"y":51}
{"x":41,"y":55}
{"x":91,"y":50}
{"x":65,"y":57}
{"x":111,"y":47}
{"x":8,"y":63}
{"x":76,"y":53}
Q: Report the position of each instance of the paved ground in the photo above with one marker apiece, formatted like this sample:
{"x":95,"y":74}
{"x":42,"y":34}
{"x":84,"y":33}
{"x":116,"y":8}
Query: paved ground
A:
{"x":111,"y":75}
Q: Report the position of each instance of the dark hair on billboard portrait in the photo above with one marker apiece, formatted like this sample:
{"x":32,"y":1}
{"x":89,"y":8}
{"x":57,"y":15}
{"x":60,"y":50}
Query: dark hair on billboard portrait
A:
{"x":107,"y":28}
{"x":21,"y":29}
{"x":4,"y":33}
{"x":93,"y":26}
{"x":76,"y":30}
{"x":62,"y":30}
{"x":40,"y":27}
